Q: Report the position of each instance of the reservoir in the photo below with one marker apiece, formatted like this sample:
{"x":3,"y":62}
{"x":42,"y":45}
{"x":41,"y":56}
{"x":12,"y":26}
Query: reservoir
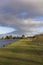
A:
{"x":6,"y":42}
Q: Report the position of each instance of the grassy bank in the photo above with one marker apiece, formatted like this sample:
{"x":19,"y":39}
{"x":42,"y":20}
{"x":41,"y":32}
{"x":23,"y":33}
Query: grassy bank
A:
{"x":22,"y":52}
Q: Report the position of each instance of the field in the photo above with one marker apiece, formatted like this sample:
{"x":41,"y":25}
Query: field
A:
{"x":23,"y":52}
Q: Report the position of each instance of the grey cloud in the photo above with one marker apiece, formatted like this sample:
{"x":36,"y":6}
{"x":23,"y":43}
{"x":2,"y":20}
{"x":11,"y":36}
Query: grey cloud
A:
{"x":23,"y":26}
{"x":33,"y":7}
{"x":20,"y":15}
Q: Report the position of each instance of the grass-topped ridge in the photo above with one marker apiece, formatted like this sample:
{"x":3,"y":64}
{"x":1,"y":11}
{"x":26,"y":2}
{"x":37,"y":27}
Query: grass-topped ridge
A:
{"x":23,"y":52}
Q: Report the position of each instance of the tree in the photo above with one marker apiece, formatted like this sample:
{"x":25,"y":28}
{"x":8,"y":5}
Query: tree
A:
{"x":7,"y":37}
{"x":23,"y":36}
{"x":10,"y":37}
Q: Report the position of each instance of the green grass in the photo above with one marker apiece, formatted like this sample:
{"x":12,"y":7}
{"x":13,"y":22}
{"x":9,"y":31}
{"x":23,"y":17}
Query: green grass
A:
{"x":22,"y":52}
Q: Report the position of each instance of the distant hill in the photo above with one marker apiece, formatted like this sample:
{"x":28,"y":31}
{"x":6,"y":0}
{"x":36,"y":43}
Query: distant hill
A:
{"x":38,"y":38}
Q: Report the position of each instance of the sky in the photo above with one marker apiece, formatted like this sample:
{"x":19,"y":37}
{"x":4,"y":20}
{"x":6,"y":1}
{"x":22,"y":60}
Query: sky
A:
{"x":21,"y":17}
{"x":4,"y":30}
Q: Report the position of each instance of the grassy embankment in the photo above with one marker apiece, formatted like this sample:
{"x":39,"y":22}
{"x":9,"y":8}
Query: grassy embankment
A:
{"x":22,"y":52}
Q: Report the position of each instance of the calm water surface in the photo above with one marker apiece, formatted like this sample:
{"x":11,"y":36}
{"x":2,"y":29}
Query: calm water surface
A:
{"x":6,"y":42}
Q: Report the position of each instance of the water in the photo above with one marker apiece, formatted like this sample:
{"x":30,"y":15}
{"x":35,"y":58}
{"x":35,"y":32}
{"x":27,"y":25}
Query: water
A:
{"x":6,"y":42}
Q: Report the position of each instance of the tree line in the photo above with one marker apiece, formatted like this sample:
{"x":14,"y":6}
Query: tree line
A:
{"x":13,"y":37}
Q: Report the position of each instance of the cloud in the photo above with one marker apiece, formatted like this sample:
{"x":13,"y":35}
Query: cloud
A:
{"x":5,"y":30}
{"x":21,"y":14}
{"x":33,"y":7}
